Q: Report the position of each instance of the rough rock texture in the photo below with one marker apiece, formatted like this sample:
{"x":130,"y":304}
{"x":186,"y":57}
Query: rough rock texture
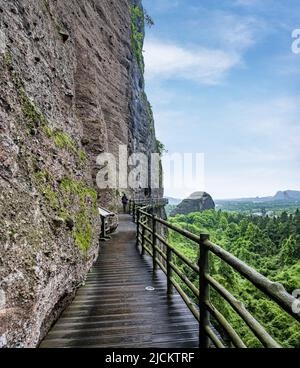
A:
{"x":196,"y":202}
{"x":71,"y":87}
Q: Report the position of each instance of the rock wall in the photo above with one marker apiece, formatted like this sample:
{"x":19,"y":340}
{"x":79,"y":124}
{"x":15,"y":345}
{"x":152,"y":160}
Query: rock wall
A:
{"x":71,"y":87}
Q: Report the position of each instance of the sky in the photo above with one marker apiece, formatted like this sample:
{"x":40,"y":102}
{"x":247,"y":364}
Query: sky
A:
{"x":223,"y":81}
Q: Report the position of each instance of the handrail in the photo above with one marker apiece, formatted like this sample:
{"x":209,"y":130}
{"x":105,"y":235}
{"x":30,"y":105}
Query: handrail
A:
{"x":239,"y":307}
{"x":273,"y":290}
{"x":143,"y":214}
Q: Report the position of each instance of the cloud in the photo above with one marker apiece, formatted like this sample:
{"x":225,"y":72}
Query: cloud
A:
{"x":268,"y":140}
{"x":236,"y":32}
{"x":213,"y":54}
{"x":271,"y":116}
{"x":252,"y":149}
{"x":206,"y":66}
{"x":287,"y":64}
{"x":248,"y":129}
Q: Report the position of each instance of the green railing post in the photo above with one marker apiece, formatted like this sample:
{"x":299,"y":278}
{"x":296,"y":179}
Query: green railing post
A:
{"x":204,"y":292}
{"x":154,"y":241}
{"x":169,"y":271}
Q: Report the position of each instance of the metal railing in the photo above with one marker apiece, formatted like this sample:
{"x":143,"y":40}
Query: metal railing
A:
{"x":148,"y":239}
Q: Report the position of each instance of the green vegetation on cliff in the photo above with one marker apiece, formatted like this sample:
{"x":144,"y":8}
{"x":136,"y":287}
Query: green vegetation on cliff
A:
{"x":61,"y":139}
{"x":66,"y":195}
{"x":35,"y":118}
{"x":271,"y":245}
{"x":137,"y":34}
{"x":87,"y":197}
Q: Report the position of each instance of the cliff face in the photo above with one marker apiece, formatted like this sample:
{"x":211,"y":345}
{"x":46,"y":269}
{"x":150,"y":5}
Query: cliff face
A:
{"x":71,"y":87}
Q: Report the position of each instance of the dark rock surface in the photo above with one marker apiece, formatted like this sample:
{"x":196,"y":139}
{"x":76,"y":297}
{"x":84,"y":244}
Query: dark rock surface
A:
{"x":70,"y":88}
{"x":196,"y":202}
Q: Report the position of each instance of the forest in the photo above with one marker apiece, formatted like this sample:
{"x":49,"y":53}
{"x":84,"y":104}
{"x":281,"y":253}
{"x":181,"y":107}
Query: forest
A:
{"x":271,"y":245}
{"x":260,"y":207}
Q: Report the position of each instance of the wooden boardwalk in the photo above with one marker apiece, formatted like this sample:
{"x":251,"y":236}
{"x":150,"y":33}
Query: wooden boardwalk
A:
{"x":114,"y":310}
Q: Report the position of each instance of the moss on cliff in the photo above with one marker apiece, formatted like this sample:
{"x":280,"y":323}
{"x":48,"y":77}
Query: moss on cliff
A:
{"x":149,"y":111}
{"x":30,"y":111}
{"x":7,"y":59}
{"x":137,"y":35}
{"x":61,"y":139}
{"x":82,"y":157}
{"x":33,"y":114}
{"x":47,"y":5}
{"x":70,"y":194}
{"x":161,"y":149}
{"x":87,"y":197}
{"x":44,"y":183}
{"x":83,"y":234}
{"x":75,"y":187}
{"x":36,"y":118}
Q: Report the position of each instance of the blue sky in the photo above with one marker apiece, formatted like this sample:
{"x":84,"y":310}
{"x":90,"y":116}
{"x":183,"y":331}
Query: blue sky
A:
{"x":222,"y":80}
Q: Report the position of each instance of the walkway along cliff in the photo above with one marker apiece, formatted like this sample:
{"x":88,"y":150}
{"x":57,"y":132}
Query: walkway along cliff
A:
{"x":71,"y":87}
{"x":114,"y":308}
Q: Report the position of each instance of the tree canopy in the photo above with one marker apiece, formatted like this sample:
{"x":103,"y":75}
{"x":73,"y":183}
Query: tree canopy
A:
{"x":271,"y":245}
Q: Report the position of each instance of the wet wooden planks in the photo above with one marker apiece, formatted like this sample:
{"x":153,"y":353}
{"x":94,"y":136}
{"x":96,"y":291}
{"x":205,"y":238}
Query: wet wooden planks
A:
{"x":114,"y":310}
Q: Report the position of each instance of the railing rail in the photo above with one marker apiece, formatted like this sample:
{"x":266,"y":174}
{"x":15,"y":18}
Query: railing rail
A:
{"x":148,"y":239}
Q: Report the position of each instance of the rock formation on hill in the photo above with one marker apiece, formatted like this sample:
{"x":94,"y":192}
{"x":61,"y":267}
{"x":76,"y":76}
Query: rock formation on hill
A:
{"x":71,"y":87}
{"x":196,"y":202}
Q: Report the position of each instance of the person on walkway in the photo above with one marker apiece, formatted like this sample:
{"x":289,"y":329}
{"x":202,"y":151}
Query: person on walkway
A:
{"x":124,"y":202}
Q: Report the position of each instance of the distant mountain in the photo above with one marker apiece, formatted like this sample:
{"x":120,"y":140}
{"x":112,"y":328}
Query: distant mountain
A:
{"x":196,"y":202}
{"x":287,"y":195}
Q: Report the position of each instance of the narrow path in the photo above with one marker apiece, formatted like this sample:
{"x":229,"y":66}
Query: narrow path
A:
{"x":114,"y":310}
